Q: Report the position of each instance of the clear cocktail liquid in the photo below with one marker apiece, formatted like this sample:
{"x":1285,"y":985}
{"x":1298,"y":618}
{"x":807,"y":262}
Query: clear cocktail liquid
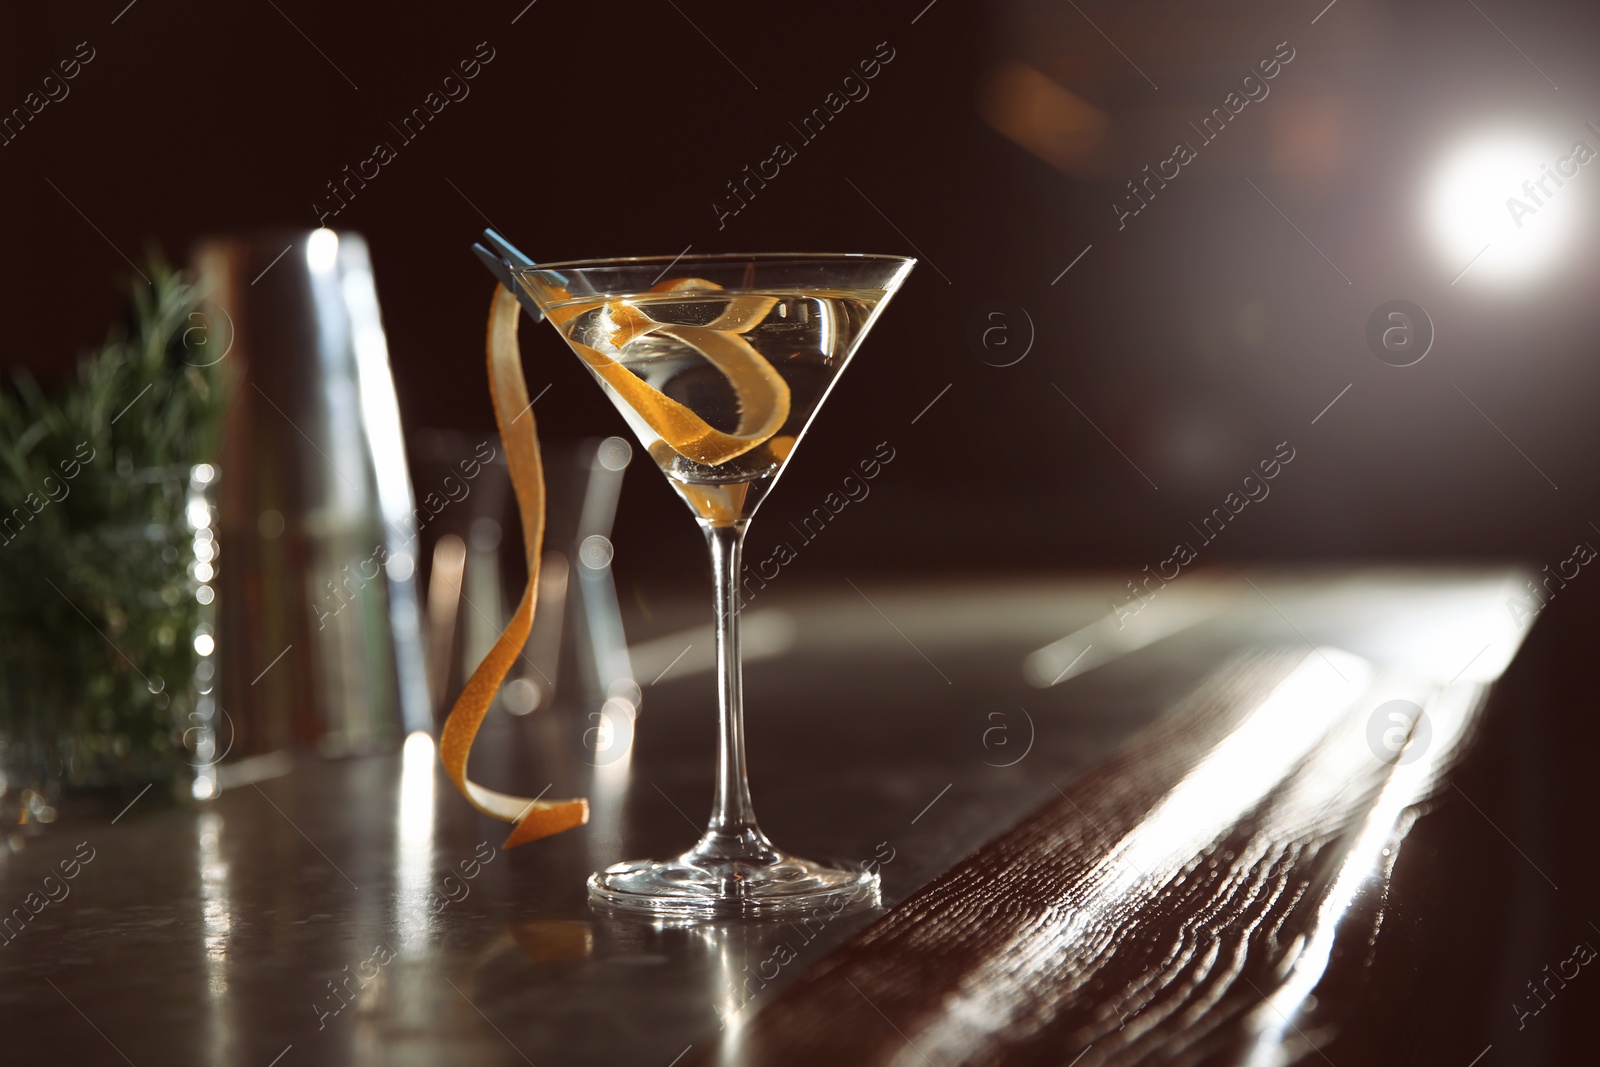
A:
{"x":805,"y":336}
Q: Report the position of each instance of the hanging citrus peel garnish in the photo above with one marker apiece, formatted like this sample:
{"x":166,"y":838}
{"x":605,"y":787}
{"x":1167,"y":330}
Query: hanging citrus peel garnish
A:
{"x":763,"y":409}
{"x":532,"y":817}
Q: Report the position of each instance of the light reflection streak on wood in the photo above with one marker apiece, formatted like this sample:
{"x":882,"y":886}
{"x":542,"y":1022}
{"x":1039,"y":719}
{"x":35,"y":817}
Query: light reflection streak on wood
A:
{"x":1452,"y":713}
{"x":1115,"y":634}
{"x":1242,"y":828}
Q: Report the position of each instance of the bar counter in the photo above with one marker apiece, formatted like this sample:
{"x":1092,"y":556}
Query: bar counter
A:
{"x":1189,"y":835}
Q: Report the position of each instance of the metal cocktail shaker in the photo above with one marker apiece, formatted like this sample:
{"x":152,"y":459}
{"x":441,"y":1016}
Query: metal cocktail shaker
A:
{"x":318,"y":632}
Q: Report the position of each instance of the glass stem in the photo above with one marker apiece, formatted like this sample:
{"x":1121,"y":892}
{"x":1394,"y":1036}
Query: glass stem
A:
{"x":732,"y":833}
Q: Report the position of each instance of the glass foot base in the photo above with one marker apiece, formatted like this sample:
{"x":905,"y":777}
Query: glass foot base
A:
{"x":772,"y":884}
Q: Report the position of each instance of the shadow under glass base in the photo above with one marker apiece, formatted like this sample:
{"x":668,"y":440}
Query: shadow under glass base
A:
{"x":758,"y":881}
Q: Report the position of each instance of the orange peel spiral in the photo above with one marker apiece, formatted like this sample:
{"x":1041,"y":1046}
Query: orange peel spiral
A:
{"x":532,"y":818}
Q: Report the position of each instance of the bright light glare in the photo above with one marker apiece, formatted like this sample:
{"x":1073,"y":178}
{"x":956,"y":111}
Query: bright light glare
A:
{"x":417,"y":755}
{"x":416,"y":791}
{"x":1488,"y":193}
{"x":322,"y":250}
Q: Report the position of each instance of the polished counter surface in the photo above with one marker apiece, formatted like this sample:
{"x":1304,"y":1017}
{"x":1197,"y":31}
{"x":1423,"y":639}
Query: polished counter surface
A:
{"x":1031,"y":836}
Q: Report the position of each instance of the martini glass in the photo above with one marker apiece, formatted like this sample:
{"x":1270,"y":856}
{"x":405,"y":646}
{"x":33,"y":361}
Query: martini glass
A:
{"x":719,"y":364}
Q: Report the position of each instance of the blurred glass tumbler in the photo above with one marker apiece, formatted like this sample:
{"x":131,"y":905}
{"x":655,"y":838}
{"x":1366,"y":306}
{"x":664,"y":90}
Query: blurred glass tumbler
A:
{"x":318,"y":626}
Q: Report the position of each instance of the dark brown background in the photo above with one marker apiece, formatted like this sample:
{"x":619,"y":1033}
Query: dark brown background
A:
{"x":1197,"y":338}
